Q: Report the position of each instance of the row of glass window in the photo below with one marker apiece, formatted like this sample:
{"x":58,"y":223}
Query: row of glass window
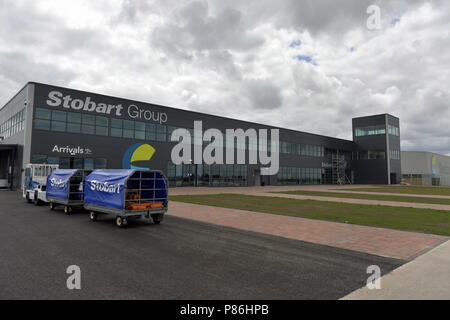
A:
{"x":393,"y":130}
{"x":302,"y":149}
{"x":299,"y":176}
{"x":207,"y":175}
{"x":369,"y":155}
{"x":71,"y":163}
{"x":394,"y":154}
{"x":376,"y":130}
{"x":71,"y":122}
{"x":370,"y":131}
{"x":13,"y":125}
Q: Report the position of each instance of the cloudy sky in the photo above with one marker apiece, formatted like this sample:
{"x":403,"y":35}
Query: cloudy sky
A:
{"x":309,"y":65}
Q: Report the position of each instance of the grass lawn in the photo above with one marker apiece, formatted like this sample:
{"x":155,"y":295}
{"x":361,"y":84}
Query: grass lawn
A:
{"x":421,"y":220}
{"x":370,"y":197}
{"x":439,"y":191}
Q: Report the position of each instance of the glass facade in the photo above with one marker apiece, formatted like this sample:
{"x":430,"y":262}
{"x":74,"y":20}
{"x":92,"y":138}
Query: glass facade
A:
{"x":394,"y":154}
{"x":179,"y":175}
{"x":370,"y":131}
{"x":70,"y":122}
{"x":302,"y":149}
{"x":71,"y":163}
{"x":299,"y":176}
{"x":207,"y":175}
{"x":393,"y":130}
{"x":13,"y":125}
{"x":369,"y":155}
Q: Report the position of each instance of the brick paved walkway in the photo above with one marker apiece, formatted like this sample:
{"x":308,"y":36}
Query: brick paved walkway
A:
{"x":383,"y":242}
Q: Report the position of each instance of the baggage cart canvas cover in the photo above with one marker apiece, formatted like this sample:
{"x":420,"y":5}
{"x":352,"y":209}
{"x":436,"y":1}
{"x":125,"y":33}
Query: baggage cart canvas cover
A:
{"x":58,"y":183}
{"x":106,"y":188}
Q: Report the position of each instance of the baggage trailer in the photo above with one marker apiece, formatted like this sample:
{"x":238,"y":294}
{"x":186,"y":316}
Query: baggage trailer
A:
{"x":65,"y":187}
{"x":35,"y":182}
{"x":126,"y":194}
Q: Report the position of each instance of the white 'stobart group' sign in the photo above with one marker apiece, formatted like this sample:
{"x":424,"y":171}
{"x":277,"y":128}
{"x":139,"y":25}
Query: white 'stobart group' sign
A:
{"x":58,"y":99}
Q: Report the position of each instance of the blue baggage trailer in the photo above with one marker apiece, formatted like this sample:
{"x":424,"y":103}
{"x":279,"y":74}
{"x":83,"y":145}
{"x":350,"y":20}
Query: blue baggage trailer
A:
{"x":65,"y":187}
{"x":126,"y":194}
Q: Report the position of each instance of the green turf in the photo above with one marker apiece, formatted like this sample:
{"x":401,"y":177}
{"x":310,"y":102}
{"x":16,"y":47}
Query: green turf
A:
{"x":370,"y":197}
{"x":421,"y":220}
{"x":438,"y":191}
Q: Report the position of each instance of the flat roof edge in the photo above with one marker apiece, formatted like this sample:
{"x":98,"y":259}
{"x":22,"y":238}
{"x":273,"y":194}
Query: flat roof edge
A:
{"x":184,"y":110}
{"x":17,"y":93}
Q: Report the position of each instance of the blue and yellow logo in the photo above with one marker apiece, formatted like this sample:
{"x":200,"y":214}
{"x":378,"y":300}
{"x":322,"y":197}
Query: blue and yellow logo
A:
{"x":138,"y":156}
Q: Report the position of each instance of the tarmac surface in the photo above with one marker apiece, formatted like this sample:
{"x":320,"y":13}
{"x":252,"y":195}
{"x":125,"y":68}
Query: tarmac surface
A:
{"x":179,"y":259}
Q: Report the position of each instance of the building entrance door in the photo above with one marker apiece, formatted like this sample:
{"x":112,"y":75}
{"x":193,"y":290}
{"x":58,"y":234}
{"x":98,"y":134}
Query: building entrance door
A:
{"x":8,"y":177}
{"x":4,"y":169}
{"x":393,"y":178}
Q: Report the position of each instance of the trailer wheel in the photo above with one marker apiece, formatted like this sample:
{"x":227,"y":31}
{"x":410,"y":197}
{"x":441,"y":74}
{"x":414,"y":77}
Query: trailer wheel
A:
{"x":93,"y":216}
{"x":67,"y":210}
{"x":52,"y":206}
{"x":121,"y":222}
{"x":157,"y":218}
{"x":36,"y":200}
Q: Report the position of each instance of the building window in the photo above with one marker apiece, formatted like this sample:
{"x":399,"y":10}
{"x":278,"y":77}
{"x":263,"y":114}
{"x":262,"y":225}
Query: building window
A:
{"x":42,"y":124}
{"x":60,"y":116}
{"x":394,"y":130}
{"x":87,"y":129}
{"x":369,"y":155}
{"x":139,"y":130}
{"x":13,"y":125}
{"x":53,"y":160}
{"x":161,"y":133}
{"x":64,"y":163}
{"x":38,"y":159}
{"x":100,"y":163}
{"x":394,"y":154}
{"x":128,"y":129}
{"x":299,"y":176}
{"x":374,"y":155}
{"x":43,"y":114}
{"x":101,"y":131}
{"x":116,"y":128}
{"x":73,"y":127}
{"x":207,"y":175}
{"x":58,"y":126}
{"x":370,"y":131}
{"x":89,"y":164}
{"x":101,"y":126}
{"x":73,"y":117}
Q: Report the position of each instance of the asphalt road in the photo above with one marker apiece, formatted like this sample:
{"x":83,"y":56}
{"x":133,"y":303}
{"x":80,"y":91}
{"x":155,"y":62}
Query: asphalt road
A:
{"x":179,"y":259}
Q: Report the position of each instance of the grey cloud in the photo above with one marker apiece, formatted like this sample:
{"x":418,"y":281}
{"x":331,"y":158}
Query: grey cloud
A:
{"x":264,"y":94}
{"x":31,"y":28}
{"x":195,"y":30}
{"x":18,"y":69}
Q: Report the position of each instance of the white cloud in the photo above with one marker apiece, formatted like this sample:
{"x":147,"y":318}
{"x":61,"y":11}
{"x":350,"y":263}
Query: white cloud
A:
{"x":233,"y":58}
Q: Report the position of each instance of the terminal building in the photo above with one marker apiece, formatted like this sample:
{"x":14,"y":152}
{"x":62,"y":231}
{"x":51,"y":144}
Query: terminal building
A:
{"x":77,"y":129}
{"x":425,"y":168}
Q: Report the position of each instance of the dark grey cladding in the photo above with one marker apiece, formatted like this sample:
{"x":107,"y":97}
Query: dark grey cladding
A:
{"x":112,"y":149}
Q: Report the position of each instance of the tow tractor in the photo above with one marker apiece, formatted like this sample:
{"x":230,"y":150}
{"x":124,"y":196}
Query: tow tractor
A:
{"x":35,"y":183}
